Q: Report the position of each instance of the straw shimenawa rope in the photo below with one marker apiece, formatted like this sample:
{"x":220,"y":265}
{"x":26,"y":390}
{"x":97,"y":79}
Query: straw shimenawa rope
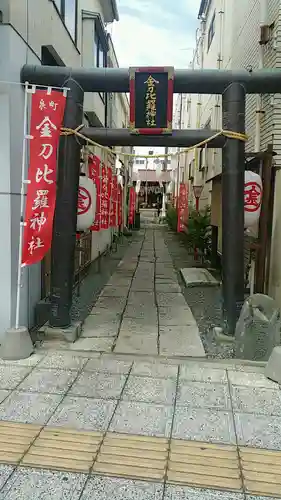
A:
{"x":226,"y":133}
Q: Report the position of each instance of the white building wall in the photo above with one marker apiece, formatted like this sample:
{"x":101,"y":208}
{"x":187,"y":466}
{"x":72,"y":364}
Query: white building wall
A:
{"x":26,"y":26}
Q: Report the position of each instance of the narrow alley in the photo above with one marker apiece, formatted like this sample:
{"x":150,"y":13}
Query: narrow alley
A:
{"x":142,"y":310}
{"x":133,"y":409}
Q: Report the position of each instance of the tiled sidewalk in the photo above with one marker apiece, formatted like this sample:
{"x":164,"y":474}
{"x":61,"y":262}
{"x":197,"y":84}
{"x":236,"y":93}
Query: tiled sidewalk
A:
{"x":202,"y":402}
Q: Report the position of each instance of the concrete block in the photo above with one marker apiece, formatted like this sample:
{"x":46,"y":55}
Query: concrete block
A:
{"x":196,"y":276}
{"x":221,"y":338}
{"x":69,"y":334}
{"x":273,"y":367}
{"x":16,"y":344}
{"x":258,"y":328}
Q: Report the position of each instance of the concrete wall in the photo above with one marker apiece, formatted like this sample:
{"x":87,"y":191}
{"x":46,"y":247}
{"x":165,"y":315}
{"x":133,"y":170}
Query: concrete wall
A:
{"x":27,"y":25}
{"x":11,"y":112}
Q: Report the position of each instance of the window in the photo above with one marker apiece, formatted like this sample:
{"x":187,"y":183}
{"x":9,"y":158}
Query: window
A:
{"x":68,"y":12}
{"x":100,"y":53}
{"x":211,"y":31}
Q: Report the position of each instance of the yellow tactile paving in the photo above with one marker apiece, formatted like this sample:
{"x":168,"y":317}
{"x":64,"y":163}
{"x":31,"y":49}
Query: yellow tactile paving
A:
{"x":204,"y":464}
{"x":15,"y":440}
{"x":140,"y":457}
{"x":198,"y":464}
{"x":64,"y":449}
{"x":261,"y":471}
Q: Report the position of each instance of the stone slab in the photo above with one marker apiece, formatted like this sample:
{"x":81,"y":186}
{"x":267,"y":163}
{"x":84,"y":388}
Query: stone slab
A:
{"x":257,"y":400}
{"x":199,"y":373}
{"x":49,"y":381}
{"x":169,"y":316}
{"x":108,"y":488}
{"x":111,"y":303}
{"x":12,"y":376}
{"x":167,"y":287}
{"x":198,"y":424}
{"x":147,"y":389}
{"x":261,"y":431}
{"x":39,"y":484}
{"x":193,"y":276}
{"x":203,"y":395}
{"x":97,"y":326}
{"x":237,"y":377}
{"x":181,"y":341}
{"x":137,"y":344}
{"x":138,"y":326}
{"x":108,"y":365}
{"x":273,"y":367}
{"x":189,"y":493}
{"x":5,"y":472}
{"x":63,"y":361}
{"x":83,"y":413}
{"x":150,"y":313}
{"x":156,"y":370}
{"x":101,"y":344}
{"x":112,"y":291}
{"x":142,"y":418}
{"x":98,"y":385}
{"x":32,"y":408}
{"x":173,"y":300}
{"x":4,"y":394}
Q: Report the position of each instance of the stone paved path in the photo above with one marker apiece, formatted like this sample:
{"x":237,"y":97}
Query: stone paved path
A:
{"x":142,"y":310}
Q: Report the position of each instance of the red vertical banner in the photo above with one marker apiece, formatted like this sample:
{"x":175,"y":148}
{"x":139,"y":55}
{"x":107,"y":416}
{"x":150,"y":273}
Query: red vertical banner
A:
{"x":182,"y":206}
{"x":47,"y":111}
{"x":132,"y":203}
{"x":120,"y":205}
{"x":113,"y":206}
{"x":94,"y":166}
{"x":105,"y":196}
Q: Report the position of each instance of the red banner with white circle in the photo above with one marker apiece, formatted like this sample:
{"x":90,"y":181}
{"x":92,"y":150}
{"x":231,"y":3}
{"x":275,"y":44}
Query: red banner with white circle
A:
{"x":86,"y":206}
{"x":253,"y":191}
{"x":47,"y":111}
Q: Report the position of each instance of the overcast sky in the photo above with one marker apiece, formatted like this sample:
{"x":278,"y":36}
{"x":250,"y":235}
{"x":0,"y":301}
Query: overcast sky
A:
{"x":155,"y":32}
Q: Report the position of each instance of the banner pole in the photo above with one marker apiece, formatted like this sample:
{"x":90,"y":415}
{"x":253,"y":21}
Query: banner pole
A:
{"x":22,"y":196}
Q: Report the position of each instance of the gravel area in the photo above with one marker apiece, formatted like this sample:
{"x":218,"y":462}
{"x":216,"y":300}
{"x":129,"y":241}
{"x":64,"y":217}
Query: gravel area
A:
{"x":205,"y":302}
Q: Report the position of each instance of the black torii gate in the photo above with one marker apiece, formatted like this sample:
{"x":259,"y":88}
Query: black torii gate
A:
{"x":233,"y":87}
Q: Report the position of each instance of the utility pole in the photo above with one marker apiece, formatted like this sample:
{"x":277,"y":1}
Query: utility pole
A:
{"x":146,"y":165}
{"x":164,"y":169}
{"x":178,"y":166}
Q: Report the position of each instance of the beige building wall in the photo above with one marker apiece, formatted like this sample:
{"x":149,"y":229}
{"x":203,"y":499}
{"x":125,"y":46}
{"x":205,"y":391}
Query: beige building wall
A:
{"x":235,"y":45}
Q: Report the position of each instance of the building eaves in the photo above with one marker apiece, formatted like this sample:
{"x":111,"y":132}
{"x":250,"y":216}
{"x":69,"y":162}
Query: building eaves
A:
{"x":115,"y":10}
{"x":202,"y":8}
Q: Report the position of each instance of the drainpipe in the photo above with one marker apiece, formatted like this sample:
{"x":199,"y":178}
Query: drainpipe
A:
{"x":217,"y":123}
{"x":263,"y":40}
{"x":200,"y":46}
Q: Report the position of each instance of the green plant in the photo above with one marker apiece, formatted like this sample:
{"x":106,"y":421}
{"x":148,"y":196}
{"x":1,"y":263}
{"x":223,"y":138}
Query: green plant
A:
{"x":172,"y":217}
{"x":198,"y":231}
